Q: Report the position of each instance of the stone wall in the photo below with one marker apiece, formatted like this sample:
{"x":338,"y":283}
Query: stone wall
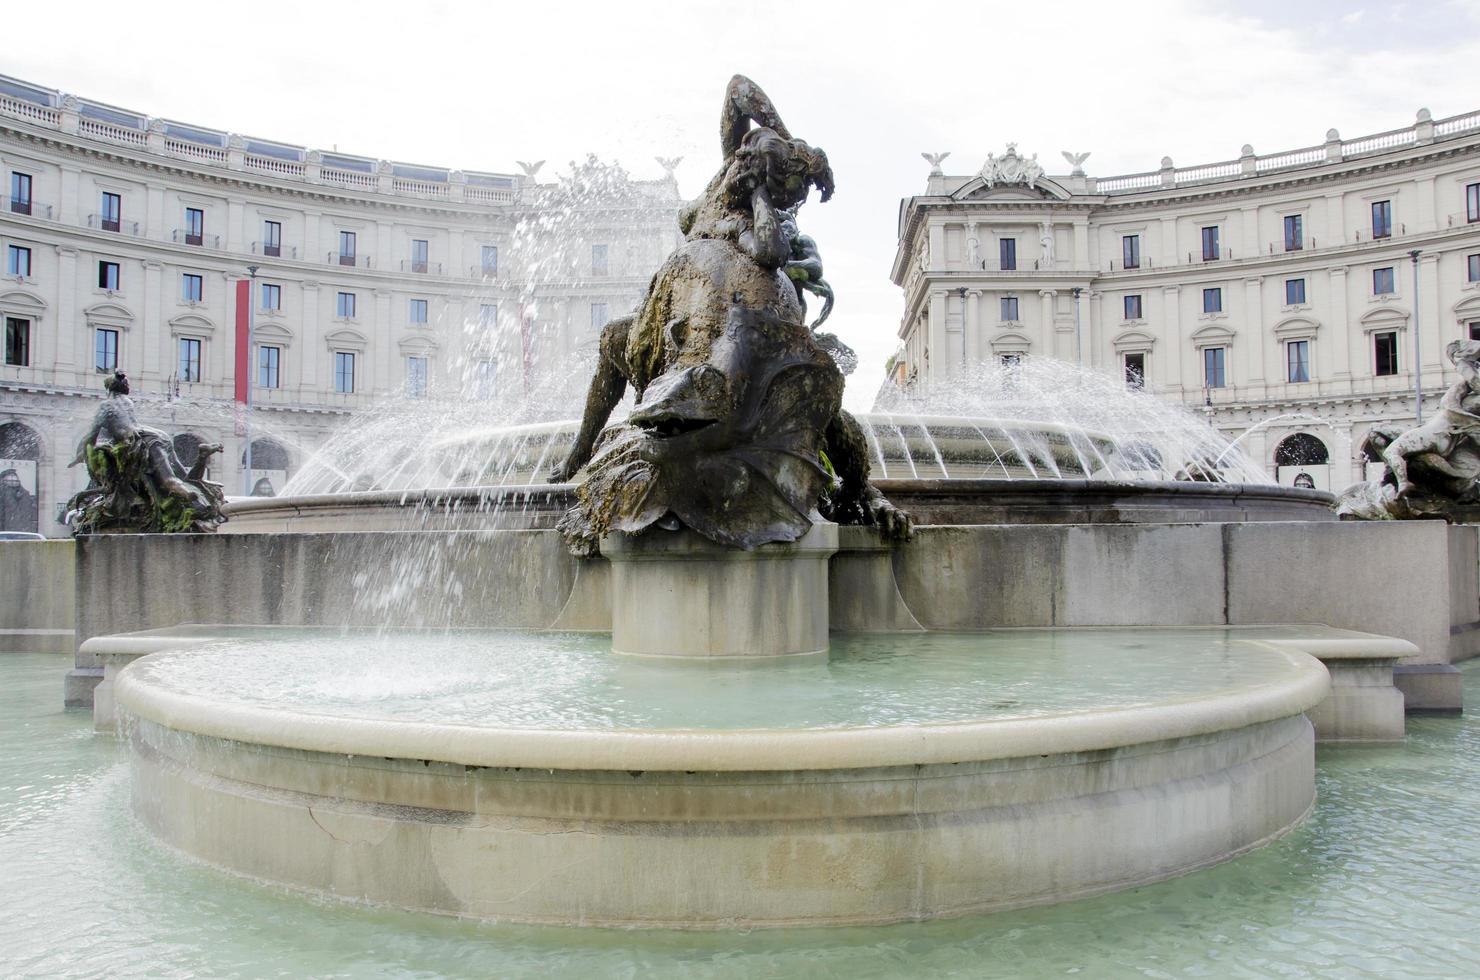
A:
{"x":37,"y":599}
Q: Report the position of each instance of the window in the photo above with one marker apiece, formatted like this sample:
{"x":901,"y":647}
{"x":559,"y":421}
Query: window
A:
{"x":1010,"y":362}
{"x":346,"y":248}
{"x":1472,"y":267}
{"x":418,"y":255}
{"x":344,"y":371}
{"x":344,"y":306}
{"x":108,"y":276}
{"x":483,"y":374}
{"x":490,"y":260}
{"x":1009,"y":309}
{"x":17,"y":341}
{"x":1297,"y":361}
{"x":1210,"y":243}
{"x":1130,"y":251}
{"x":20,"y":193}
{"x":1382,"y":219}
{"x":112,"y":211}
{"x":416,"y":377}
{"x":192,"y":287}
{"x":1007,"y":254}
{"x":272,"y":238}
{"x":105,"y":349}
{"x":487,"y":316}
{"x":1135,"y":370}
{"x":195,"y":226}
{"x":1475,"y":329}
{"x":1382,"y":281}
{"x":417,"y":312}
{"x":1213,"y":364}
{"x":1133,"y":307}
{"x":189,"y":359}
{"x":1472,"y":201}
{"x":268,"y":359}
{"x":1385,"y":351}
{"x":1294,"y":232}
{"x":18,"y":260}
{"x":1213,"y":300}
{"x":1294,"y":292}
{"x":272,"y":296}
{"x":599,"y":316}
{"x":598,"y":260}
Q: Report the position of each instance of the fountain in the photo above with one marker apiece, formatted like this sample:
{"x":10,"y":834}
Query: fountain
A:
{"x":748,"y":699}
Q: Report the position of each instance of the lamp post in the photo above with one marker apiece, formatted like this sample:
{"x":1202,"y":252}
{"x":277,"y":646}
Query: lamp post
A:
{"x":247,"y":426}
{"x":1078,"y":343}
{"x":1417,"y":345}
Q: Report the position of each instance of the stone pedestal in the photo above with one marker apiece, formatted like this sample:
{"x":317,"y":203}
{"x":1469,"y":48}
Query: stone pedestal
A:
{"x":676,"y":594}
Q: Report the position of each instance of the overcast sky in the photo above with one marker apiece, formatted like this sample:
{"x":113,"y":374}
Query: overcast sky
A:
{"x":477,"y":86}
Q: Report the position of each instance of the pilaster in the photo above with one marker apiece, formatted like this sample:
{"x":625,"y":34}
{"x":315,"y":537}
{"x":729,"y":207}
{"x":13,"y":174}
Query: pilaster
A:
{"x":1340,"y":329}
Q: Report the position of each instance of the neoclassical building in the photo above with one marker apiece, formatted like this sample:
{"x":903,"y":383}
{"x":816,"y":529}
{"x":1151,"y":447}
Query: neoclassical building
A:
{"x":1306,"y":295}
{"x":125,"y":238}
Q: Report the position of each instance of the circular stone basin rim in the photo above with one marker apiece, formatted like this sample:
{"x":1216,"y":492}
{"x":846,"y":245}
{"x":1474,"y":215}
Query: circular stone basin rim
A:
{"x":752,"y":750}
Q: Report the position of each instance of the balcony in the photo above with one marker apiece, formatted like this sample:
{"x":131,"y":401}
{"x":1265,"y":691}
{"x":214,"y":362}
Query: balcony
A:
{"x":435,"y":268}
{"x":275,"y":251}
{"x":351,"y":261}
{"x":193,"y":238}
{"x":113,"y":224}
{"x":28,"y":207}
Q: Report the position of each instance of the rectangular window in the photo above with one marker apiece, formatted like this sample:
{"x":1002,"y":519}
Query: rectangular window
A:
{"x":1475,"y":329}
{"x":417,"y":312}
{"x":1130,"y":251}
{"x":344,"y":306}
{"x":272,"y":238}
{"x":195,"y":226}
{"x":112,"y":211}
{"x":18,"y":260}
{"x":1213,"y":300}
{"x":192,"y":287}
{"x":1385,"y":352}
{"x":1007,"y":254}
{"x":1135,"y":370}
{"x":1133,"y":307}
{"x":1472,"y":267}
{"x":487,"y":316}
{"x":483,"y":373}
{"x":1472,"y":202}
{"x":490,"y":260}
{"x":1297,"y":361}
{"x":189,"y":360}
{"x":268,"y":359}
{"x":17,"y":341}
{"x":598,"y":260}
{"x":105,"y":350}
{"x":1382,"y":281}
{"x":599,"y":316}
{"x":1210,"y":243}
{"x":272,"y":296}
{"x":1009,"y":309}
{"x":416,"y":377}
{"x":419,"y":253}
{"x":108,"y":275}
{"x":1213,"y":363}
{"x":1294,"y":292}
{"x":346,"y":248}
{"x":344,"y":372}
{"x":1294,"y":232}
{"x":20,"y":193}
{"x":1382,"y":219}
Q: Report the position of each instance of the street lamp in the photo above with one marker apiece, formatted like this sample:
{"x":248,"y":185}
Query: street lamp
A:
{"x":1078,"y":343}
{"x":247,"y":426}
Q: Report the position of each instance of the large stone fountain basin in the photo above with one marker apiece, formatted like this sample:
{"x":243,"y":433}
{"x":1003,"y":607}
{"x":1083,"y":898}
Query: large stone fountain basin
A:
{"x":705,"y":827}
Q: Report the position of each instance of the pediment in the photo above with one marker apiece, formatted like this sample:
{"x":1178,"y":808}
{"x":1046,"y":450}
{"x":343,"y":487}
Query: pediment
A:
{"x":1293,"y":327}
{"x":1212,"y":335}
{"x":272,"y":333}
{"x":109,"y":315}
{"x":1384,"y":318}
{"x":346,"y":339}
{"x":192,"y":323}
{"x":1010,"y":343}
{"x":1467,"y":309}
{"x":1133,"y":340}
{"x":976,"y":189}
{"x":417,"y":345}
{"x":24,"y":302}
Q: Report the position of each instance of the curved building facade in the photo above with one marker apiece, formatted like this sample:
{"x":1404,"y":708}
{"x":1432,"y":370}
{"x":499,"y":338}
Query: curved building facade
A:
{"x":1299,"y":297}
{"x":125,"y":238}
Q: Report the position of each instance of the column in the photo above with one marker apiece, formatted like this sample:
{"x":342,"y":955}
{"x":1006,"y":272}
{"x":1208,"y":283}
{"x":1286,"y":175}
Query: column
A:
{"x":1173,"y":358}
{"x":971,"y":333}
{"x":1169,"y":254}
{"x":937,"y":347}
{"x":154,"y":227}
{"x":312,"y":220}
{"x":1425,"y":216}
{"x":1335,"y":222}
{"x":1045,"y":305}
{"x":1250,"y":245}
{"x":1254,"y":319}
{"x":1339,"y":331}
{"x":1081,"y":243}
{"x":234,"y":239}
{"x":1093,"y":304}
{"x":1435,"y":332}
{"x":151,"y":346}
{"x":68,"y":316}
{"x":382,"y":352}
{"x":69,"y":207}
{"x":312,"y":378}
{"x":937,"y":235}
{"x":385,"y":256}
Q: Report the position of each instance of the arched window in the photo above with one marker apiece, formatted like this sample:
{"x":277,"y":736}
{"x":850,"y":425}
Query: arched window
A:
{"x":20,"y":448}
{"x":267,"y":455}
{"x":187,"y":447}
{"x":1301,"y":449}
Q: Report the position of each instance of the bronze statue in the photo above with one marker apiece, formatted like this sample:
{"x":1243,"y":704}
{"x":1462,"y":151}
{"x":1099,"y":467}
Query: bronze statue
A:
{"x":138,"y":483}
{"x":739,"y":432}
{"x":1432,"y":470}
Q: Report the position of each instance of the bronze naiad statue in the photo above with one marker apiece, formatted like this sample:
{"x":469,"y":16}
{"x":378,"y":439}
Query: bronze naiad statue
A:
{"x":1432,"y":470}
{"x":739,"y":432}
{"x":138,"y":483}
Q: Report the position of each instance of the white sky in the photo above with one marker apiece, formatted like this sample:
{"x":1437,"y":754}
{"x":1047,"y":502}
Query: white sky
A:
{"x":478,"y":85}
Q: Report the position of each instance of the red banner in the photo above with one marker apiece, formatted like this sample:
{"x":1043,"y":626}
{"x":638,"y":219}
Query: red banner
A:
{"x":243,"y":338}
